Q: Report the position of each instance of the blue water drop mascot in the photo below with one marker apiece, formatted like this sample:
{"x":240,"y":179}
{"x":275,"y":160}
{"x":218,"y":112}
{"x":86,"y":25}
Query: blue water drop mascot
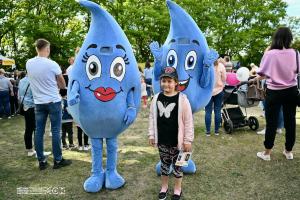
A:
{"x":104,"y":93}
{"x":186,"y":50}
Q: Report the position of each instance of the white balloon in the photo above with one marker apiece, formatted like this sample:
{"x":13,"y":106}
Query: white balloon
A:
{"x":242,"y":74}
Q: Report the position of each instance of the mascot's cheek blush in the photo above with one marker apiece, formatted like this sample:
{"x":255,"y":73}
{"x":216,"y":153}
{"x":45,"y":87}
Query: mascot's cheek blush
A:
{"x":103,"y":94}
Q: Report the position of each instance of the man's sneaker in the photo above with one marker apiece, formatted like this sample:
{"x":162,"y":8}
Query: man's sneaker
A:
{"x":65,"y":147}
{"x":263,"y":156}
{"x":86,"y":147}
{"x":163,"y":195}
{"x":279,"y":130}
{"x":9,"y":118}
{"x":62,"y":163}
{"x":216,"y":133}
{"x":288,"y":155}
{"x":80,"y":148}
{"x":262,"y":132}
{"x":207,"y":134}
{"x":31,"y":153}
{"x":43,"y":165}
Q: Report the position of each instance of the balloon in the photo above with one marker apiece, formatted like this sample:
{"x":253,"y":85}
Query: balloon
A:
{"x":231,"y":79}
{"x":243,"y":74}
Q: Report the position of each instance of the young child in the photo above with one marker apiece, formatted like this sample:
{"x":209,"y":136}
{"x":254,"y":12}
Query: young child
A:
{"x":66,"y":122}
{"x":144,"y":91}
{"x":171,"y":129}
{"x":86,"y":146}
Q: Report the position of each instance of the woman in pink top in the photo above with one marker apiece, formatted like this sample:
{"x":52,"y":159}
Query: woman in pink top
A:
{"x":217,"y":98}
{"x":278,"y":66}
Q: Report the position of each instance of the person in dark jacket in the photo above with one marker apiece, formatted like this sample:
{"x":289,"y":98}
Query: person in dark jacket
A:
{"x":66,"y":122}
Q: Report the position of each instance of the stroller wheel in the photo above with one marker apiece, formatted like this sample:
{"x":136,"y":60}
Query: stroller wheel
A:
{"x":253,"y":123}
{"x":228,"y":126}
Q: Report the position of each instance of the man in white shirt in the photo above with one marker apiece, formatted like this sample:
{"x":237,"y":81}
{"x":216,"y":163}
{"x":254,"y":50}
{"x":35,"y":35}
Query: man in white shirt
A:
{"x":45,"y":77}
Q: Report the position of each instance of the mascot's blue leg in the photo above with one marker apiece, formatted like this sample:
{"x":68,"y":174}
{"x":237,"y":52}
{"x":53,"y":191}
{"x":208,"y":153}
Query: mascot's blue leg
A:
{"x":96,"y":181}
{"x":113,"y":180}
{"x":190,"y":169}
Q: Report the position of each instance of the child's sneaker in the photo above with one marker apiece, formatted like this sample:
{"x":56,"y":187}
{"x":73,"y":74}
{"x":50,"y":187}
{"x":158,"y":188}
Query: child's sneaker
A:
{"x":263,"y":156}
{"x":288,"y":155}
{"x":72,"y":146}
{"x":86,"y":147}
{"x":163,"y":195}
{"x":80,"y":148}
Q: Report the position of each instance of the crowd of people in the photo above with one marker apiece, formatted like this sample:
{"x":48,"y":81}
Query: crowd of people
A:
{"x":43,"y":93}
{"x":9,"y":83}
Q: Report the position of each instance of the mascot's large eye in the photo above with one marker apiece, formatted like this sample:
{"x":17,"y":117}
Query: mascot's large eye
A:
{"x":93,"y":67}
{"x":117,"y":69}
{"x":172,"y":59}
{"x":190,"y":60}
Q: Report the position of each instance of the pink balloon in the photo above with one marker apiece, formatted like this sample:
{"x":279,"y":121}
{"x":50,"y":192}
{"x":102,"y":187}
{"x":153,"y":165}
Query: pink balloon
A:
{"x":231,"y":79}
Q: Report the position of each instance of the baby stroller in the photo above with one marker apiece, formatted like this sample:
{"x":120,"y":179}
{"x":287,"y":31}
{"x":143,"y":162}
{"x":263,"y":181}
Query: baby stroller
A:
{"x":233,"y":117}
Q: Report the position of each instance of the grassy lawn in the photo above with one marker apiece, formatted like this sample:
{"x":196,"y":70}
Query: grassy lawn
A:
{"x":227,"y":167}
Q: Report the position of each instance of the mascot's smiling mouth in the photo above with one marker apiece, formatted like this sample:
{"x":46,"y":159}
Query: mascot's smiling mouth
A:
{"x":104,"y":94}
{"x":183,"y":84}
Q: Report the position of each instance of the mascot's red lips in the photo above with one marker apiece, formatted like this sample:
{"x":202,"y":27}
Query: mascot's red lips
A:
{"x":183,"y":85}
{"x":105,"y":94}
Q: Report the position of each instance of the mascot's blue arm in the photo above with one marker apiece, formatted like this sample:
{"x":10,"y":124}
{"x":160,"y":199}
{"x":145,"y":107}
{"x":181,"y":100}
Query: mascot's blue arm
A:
{"x":130,"y":114}
{"x":74,"y":94}
{"x":208,"y":63}
{"x":205,"y":78}
{"x":157,"y":53}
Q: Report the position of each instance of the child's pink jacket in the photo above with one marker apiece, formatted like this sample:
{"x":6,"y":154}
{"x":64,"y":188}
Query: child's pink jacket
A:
{"x":185,"y":121}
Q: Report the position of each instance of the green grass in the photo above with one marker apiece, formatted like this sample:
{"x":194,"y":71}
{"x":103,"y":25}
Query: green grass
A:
{"x":227,"y":167}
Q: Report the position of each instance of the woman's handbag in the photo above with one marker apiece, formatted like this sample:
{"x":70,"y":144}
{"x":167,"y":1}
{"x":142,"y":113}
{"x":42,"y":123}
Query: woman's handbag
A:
{"x":256,"y":91}
{"x":21,"y":110}
{"x":298,"y":78}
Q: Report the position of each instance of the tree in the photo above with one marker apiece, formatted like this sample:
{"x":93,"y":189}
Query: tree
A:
{"x":239,"y":28}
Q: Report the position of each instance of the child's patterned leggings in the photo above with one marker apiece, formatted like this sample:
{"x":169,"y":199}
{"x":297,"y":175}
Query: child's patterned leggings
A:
{"x":168,"y":156}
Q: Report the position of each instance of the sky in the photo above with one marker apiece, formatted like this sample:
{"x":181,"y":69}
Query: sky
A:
{"x":293,"y":7}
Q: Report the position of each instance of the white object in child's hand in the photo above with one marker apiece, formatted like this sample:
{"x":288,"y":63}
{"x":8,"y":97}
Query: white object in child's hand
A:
{"x":183,"y":159}
{"x":165,"y":110}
